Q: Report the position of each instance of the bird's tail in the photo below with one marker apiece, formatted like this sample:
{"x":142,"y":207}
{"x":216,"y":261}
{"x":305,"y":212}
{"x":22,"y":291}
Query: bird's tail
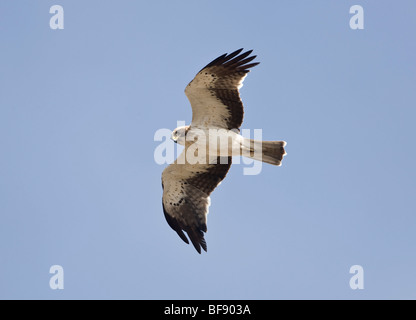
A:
{"x":271,"y":152}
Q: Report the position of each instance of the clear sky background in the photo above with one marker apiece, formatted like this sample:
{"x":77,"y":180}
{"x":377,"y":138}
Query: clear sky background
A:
{"x":79,"y":186}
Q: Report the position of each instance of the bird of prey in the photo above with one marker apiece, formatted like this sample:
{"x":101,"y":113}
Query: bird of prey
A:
{"x":217,"y":114}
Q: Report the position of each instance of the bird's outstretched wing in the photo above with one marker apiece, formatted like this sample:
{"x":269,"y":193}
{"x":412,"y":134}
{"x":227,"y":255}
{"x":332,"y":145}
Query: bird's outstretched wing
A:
{"x":214,"y":95}
{"x":186,"y":190}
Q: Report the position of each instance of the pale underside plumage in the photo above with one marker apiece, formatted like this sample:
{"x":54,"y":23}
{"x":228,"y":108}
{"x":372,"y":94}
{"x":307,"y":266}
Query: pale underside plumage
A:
{"x":216,"y":103}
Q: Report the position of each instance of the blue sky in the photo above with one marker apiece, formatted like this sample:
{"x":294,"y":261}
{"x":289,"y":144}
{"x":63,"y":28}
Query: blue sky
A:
{"x":79,"y":186}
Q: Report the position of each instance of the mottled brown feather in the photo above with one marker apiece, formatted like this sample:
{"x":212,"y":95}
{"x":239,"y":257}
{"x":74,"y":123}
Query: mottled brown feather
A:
{"x":196,"y":184}
{"x":209,"y":180}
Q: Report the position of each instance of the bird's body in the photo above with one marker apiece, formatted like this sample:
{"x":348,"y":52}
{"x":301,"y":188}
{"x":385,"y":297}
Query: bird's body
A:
{"x":214,"y":141}
{"x":210,"y":142}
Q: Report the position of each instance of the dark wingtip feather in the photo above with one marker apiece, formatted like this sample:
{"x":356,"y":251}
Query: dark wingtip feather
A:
{"x":232,"y":55}
{"x":196,"y":235}
{"x":174,"y":225}
{"x":235,"y":60}
{"x":197,"y":239}
{"x":215,"y":61}
{"x":251,"y":65}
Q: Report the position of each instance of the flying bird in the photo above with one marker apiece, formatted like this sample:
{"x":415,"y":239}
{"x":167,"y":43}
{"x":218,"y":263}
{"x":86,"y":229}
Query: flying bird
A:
{"x":210,"y":141}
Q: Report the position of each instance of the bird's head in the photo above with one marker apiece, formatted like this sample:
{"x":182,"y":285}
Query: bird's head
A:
{"x":178,"y":135}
